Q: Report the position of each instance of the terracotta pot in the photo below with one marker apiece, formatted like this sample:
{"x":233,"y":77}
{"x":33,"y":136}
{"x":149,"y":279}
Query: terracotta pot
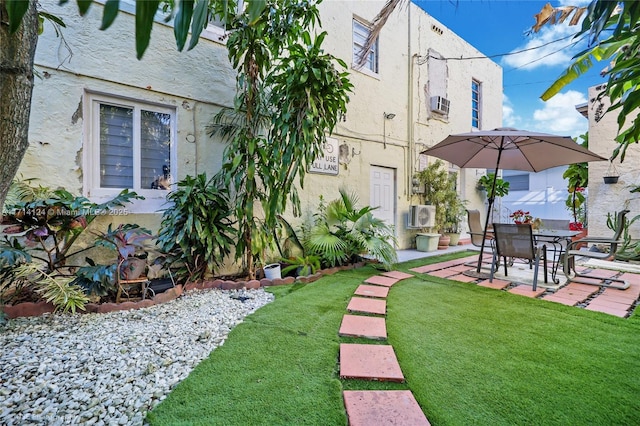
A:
{"x":583,"y":233}
{"x":443,"y":242}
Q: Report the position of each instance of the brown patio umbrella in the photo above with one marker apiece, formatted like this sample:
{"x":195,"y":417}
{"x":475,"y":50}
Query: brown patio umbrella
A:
{"x":509,"y":149}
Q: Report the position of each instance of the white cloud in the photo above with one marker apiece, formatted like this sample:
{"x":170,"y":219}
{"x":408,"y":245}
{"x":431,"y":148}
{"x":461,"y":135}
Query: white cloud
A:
{"x":544,"y":50}
{"x":559,"y":116}
{"x":509,"y":118}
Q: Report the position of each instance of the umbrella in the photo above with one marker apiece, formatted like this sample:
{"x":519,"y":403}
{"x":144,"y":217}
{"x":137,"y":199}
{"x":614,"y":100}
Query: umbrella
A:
{"x":509,"y":149}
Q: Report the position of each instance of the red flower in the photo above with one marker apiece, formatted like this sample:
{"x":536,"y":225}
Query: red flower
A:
{"x":575,"y":226}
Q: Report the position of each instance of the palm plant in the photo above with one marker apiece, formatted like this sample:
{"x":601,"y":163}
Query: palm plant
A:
{"x":343,"y":233}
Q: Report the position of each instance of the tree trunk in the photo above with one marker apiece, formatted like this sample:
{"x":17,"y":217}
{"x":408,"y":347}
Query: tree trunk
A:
{"x":17,"y":53}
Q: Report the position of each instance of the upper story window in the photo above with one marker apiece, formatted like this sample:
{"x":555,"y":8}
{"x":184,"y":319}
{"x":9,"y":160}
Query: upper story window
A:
{"x":518,"y":181}
{"x":475,"y":103}
{"x":129,"y":145}
{"x":360,"y":34}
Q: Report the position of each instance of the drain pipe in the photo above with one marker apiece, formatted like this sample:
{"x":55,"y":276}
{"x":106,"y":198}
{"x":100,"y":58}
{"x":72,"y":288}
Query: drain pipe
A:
{"x":409,"y":107}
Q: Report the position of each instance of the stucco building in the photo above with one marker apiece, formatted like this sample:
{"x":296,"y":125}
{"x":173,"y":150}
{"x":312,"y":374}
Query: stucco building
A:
{"x":412,"y":92}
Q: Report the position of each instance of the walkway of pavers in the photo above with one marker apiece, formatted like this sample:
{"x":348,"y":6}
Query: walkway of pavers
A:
{"x":612,"y":301}
{"x":366,"y":319}
{"x":367,"y":361}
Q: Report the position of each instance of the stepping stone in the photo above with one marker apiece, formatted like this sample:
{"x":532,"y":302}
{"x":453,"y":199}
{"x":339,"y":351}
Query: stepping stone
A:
{"x":396,"y":407}
{"x":367,"y":305}
{"x":369,"y":362}
{"x":380,"y":280}
{"x":397,"y":274}
{"x":372,"y":291}
{"x":361,"y":326}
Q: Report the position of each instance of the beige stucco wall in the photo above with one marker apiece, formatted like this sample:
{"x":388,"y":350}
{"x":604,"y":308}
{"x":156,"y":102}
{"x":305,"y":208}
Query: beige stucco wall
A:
{"x":197,"y":83}
{"x":610,"y":198}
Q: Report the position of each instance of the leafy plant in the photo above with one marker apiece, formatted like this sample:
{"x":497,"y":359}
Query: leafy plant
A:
{"x":577,"y":176}
{"x":440,"y":191}
{"x":283,"y":111}
{"x":52,"y":222}
{"x":59,"y":291}
{"x":343,"y":233}
{"x":196,"y":230}
{"x":303,"y":266}
{"x":485,"y":183}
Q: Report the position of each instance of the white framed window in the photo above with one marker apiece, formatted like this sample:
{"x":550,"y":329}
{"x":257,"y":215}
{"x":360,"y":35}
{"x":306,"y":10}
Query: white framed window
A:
{"x":518,"y":181}
{"x":128,"y":144}
{"x":360,"y":34}
{"x":475,"y":103}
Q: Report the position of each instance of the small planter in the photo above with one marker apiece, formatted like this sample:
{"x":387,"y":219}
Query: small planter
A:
{"x":454,"y":238}
{"x":427,"y":242}
{"x":272,"y":271}
{"x":610,"y":179}
{"x":443,"y":242}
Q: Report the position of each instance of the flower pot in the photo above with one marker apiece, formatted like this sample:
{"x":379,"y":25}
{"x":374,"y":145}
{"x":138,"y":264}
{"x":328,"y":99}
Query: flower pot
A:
{"x":272,"y":271}
{"x":610,"y":179}
{"x":454,"y":238}
{"x":427,"y":242}
{"x":443,"y":242}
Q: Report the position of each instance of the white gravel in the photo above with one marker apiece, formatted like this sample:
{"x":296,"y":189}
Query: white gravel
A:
{"x":110,"y":369}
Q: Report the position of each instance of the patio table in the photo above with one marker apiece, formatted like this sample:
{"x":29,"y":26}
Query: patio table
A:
{"x":559,"y":239}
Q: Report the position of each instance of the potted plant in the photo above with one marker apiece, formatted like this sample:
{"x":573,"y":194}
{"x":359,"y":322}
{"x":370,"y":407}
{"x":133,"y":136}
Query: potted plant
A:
{"x":440,"y":191}
{"x":577,"y":176}
{"x":456,"y":213}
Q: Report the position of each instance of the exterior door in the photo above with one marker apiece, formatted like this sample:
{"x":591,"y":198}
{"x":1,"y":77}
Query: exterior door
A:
{"x":383,"y":193}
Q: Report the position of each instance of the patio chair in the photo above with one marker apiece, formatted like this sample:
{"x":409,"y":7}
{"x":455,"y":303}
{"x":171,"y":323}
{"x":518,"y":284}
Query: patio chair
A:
{"x":570,"y":261}
{"x":516,"y":241}
{"x":476,"y":231}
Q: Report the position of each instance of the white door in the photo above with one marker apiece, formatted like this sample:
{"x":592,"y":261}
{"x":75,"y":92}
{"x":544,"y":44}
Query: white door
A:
{"x":383,"y":193}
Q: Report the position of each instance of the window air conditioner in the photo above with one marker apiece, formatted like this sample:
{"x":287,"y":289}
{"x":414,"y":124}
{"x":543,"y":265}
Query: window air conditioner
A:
{"x":422,"y":216}
{"x":440,"y":104}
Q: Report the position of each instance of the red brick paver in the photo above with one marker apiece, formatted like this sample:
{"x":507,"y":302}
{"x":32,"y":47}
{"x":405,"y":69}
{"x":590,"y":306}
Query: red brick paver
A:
{"x":381,"y":408}
{"x":380,"y":280}
{"x":369,"y":362}
{"x":367,"y":305}
{"x":397,"y":274}
{"x":372,"y":291}
{"x":363,"y":326}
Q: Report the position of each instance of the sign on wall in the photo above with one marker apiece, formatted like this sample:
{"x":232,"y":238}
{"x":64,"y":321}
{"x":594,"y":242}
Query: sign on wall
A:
{"x":327,"y":161}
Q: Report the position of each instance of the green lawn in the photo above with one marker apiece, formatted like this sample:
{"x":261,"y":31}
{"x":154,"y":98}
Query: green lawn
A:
{"x":470,"y":356}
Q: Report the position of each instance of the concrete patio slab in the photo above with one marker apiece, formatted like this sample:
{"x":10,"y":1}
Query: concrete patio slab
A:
{"x":381,"y":408}
{"x":397,"y":274}
{"x":363,"y":326}
{"x":367,"y":305}
{"x":372,"y":291}
{"x":381,"y":280}
{"x":369,"y":362}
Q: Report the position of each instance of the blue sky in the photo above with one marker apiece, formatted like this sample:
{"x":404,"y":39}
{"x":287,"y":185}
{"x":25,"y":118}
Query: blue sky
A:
{"x":497,"y":27}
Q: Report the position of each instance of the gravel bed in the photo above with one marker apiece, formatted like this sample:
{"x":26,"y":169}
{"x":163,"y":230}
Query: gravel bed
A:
{"x":110,"y":369}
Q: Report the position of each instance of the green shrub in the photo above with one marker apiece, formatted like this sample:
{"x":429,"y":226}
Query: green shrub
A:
{"x":196,"y":229}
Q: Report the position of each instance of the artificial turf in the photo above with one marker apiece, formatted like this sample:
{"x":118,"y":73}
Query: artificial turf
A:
{"x":470,"y":355}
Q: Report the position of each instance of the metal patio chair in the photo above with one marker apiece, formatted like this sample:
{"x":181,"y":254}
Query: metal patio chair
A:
{"x":516,"y":241}
{"x":476,"y":232}
{"x":572,"y":252}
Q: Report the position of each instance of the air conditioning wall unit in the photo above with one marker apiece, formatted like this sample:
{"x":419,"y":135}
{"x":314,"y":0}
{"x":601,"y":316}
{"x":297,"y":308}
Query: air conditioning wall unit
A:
{"x":440,"y":104}
{"x":422,"y":216}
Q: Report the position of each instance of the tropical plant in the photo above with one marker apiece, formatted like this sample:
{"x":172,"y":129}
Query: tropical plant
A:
{"x":577,"y":176}
{"x":343,"y":233}
{"x":485,"y":183}
{"x":196,"y":230}
{"x":629,"y":249}
{"x":64,"y":295}
{"x":302,"y":265}
{"x":52,"y":223}
{"x":282,"y":113}
{"x":440,"y":191}
{"x":614,"y":36}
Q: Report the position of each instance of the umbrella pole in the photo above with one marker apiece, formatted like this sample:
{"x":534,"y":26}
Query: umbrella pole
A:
{"x":491,"y":198}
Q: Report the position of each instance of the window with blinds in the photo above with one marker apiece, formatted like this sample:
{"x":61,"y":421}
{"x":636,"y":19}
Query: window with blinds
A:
{"x":475,"y":104}
{"x":132,"y":146}
{"x":360,"y":34}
